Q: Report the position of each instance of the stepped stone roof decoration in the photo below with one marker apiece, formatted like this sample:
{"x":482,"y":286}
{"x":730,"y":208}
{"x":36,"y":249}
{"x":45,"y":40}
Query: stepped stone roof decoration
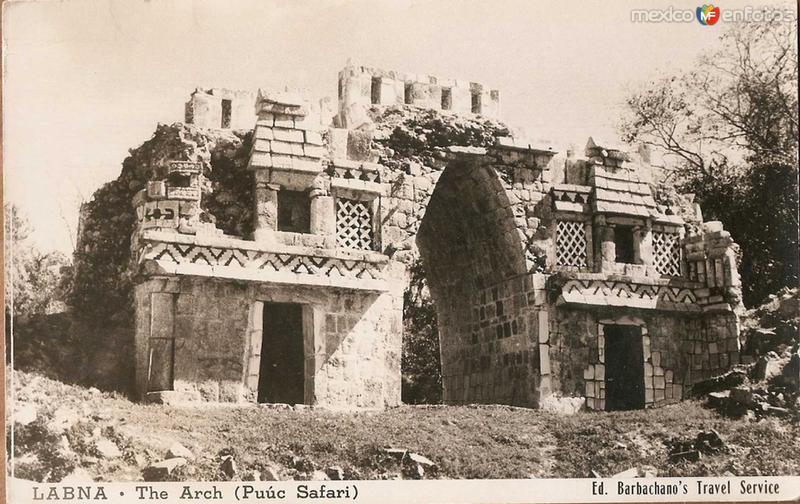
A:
{"x":617,"y":190}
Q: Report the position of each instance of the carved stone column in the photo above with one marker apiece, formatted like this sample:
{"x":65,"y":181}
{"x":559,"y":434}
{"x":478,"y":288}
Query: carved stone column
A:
{"x":608,"y":248}
{"x":323,"y":216}
{"x":266,"y":208}
{"x":643,"y":246}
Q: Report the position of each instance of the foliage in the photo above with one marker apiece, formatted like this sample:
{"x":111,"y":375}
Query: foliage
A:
{"x":421,"y":366}
{"x":39,"y":280}
{"x":50,"y":345}
{"x":759,"y":207}
{"x":729,"y":128}
{"x":231,"y":200}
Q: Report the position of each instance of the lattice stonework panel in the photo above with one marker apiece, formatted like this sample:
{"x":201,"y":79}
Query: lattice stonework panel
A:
{"x":571,"y":244}
{"x":667,"y":253}
{"x":354,"y":224}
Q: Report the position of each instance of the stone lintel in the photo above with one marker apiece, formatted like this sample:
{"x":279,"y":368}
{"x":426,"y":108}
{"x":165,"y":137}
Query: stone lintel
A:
{"x":463,"y":150}
{"x":571,"y":188}
{"x":522,"y":145}
{"x":361,"y":186}
{"x":355,"y":165}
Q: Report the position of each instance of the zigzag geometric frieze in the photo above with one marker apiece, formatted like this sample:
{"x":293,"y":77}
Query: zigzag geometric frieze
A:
{"x":261,"y":260}
{"x":602,"y":291}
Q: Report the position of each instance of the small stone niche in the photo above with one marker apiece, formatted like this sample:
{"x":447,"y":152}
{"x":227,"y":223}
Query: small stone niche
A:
{"x":476,"y":103}
{"x":447,"y":98}
{"x":408,"y":97}
{"x":227,"y":106}
{"x":623,"y":244}
{"x":375,"y":91}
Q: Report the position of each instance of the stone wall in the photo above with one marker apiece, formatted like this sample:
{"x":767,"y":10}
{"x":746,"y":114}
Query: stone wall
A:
{"x":213,"y":328}
{"x":678,"y":351}
{"x":712,"y":346}
{"x":361,"y":87}
{"x":219,"y":108}
{"x":205,"y":109}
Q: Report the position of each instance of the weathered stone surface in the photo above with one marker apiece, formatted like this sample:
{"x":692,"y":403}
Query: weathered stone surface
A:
{"x":24,"y":413}
{"x":335,"y":473}
{"x":628,"y":473}
{"x":63,"y":418}
{"x":228,"y":466}
{"x":768,"y":367}
{"x":563,"y":405}
{"x":742,"y":395}
{"x":271,"y":473}
{"x":107,"y":448}
{"x":160,"y":470}
{"x":177,"y":450}
{"x":78,"y":476}
{"x":318,"y":475}
{"x":791,"y":371}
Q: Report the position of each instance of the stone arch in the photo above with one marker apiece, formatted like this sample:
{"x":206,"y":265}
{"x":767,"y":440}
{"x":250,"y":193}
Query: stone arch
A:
{"x":469,"y":246}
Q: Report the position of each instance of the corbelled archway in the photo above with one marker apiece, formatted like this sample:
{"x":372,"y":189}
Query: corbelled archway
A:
{"x":470,"y":247}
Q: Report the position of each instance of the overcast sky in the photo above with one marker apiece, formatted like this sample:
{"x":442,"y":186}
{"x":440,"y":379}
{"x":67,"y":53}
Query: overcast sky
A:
{"x":86,"y":80}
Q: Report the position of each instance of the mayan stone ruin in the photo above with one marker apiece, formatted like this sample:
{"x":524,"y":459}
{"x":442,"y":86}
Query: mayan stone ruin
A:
{"x":553,"y":274}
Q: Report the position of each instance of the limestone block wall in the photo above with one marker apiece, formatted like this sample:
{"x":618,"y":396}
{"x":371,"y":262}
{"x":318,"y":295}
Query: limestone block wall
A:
{"x":221,"y":108}
{"x":571,"y":339}
{"x":665,"y":360}
{"x":499,"y":362}
{"x":577,"y":354}
{"x":205,"y":343}
{"x":520,"y":175}
{"x":361,"y":87}
{"x":678,"y":351}
{"x":711,"y":346}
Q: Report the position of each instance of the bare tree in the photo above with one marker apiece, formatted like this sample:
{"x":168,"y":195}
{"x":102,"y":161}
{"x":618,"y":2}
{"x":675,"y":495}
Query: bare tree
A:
{"x":729,"y":130}
{"x":740,"y":102}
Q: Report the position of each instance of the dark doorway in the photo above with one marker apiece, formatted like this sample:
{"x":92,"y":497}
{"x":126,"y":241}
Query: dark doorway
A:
{"x":624,"y":367}
{"x":281,"y":374}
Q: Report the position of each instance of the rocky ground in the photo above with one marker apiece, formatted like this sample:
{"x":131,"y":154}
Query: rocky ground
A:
{"x":768,"y":382}
{"x":64,"y":432}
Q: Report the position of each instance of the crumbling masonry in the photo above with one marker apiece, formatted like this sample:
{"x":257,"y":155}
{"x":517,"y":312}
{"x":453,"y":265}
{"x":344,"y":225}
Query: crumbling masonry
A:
{"x":552,"y":276}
